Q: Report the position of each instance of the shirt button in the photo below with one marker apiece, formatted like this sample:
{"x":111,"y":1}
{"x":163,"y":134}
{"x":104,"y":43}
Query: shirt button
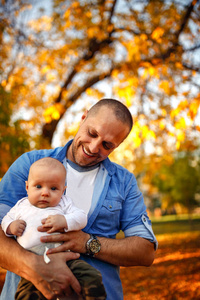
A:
{"x":144,"y":219}
{"x":110,"y":206}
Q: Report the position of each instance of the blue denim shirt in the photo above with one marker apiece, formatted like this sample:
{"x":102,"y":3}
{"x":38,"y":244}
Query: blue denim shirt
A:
{"x":117,"y":204}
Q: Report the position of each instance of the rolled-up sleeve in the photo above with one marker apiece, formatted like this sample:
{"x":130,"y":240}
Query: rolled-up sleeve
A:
{"x":134,"y":218}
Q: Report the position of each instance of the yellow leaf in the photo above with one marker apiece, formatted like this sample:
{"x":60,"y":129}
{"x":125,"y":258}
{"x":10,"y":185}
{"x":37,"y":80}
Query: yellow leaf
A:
{"x":137,"y":141}
{"x":45,"y":69}
{"x":115,"y":73}
{"x":181,"y":124}
{"x":183,"y":104}
{"x":44,"y":23}
{"x":133,"y":81}
{"x":50,"y":76}
{"x":151,"y":71}
{"x":163,"y":112}
{"x":67,"y":14}
{"x":178,"y":144}
{"x":89,"y":91}
{"x":174,"y":113}
{"x":164,"y":85}
{"x":180,"y":136}
{"x":144,"y":131}
{"x":75,"y":4}
{"x":47,"y":119}
{"x":3,"y":83}
{"x":53,"y":112}
{"x":56,"y":115}
{"x":93,"y":31}
{"x":128,"y":101}
{"x":198,"y":128}
{"x":157,"y":33}
{"x":150,"y":135}
{"x":110,"y":28}
{"x":179,"y":65}
{"x":162,"y":125}
{"x":193,"y":109}
{"x":143,"y":37}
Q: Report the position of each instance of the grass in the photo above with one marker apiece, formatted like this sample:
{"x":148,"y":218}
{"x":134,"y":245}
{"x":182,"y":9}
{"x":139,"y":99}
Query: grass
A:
{"x":175,"y":223}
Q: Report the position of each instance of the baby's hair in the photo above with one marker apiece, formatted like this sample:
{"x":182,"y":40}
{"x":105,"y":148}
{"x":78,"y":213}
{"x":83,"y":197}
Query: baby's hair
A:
{"x":49,"y":162}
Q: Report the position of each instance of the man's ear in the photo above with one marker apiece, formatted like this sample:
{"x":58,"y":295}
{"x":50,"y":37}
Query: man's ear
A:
{"x":84,"y":116}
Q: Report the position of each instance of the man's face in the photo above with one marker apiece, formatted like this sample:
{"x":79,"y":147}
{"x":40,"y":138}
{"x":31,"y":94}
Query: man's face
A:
{"x":97,"y":137}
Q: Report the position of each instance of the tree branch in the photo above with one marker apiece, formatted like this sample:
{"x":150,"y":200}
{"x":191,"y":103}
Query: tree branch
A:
{"x":49,"y":128}
{"x":181,"y":29}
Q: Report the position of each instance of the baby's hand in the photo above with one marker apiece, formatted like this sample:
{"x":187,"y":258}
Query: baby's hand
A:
{"x":17,"y":228}
{"x":55,"y":223}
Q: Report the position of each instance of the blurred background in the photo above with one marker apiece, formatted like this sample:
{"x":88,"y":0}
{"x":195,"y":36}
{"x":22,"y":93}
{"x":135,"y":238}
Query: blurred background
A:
{"x":57,"y":58}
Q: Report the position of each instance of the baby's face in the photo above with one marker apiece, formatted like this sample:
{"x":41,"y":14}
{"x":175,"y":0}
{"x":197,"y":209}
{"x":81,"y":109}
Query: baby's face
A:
{"x":45,"y":187}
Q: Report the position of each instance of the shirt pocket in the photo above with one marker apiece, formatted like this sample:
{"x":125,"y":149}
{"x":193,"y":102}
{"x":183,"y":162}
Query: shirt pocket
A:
{"x":108,"y":218}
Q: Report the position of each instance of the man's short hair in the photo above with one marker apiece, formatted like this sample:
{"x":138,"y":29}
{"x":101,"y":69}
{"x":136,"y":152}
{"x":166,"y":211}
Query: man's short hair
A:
{"x":121,"y":112}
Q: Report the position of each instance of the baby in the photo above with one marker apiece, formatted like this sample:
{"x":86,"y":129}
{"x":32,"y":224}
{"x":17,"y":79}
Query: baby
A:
{"x":47,"y":204}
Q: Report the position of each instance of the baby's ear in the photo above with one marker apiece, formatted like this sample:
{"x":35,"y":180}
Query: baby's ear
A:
{"x":26,"y":182}
{"x":64,"y":189}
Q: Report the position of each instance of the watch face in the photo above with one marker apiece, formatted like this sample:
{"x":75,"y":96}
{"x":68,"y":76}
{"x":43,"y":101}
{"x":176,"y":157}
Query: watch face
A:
{"x":95,"y":246}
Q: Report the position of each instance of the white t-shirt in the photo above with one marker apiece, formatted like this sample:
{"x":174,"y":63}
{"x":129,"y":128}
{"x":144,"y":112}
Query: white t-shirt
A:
{"x":80,"y":184}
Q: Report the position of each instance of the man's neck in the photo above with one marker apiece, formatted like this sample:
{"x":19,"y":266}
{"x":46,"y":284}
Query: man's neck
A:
{"x":79,"y":168}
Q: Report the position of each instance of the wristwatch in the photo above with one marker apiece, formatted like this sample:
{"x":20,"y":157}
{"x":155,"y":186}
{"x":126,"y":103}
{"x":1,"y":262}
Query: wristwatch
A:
{"x":93,"y":245}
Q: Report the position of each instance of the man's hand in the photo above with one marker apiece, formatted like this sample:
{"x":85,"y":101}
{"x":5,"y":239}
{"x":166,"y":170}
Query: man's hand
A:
{"x":17,"y":228}
{"x":55,"y":278}
{"x":50,"y":279}
{"x":74,"y":241}
{"x":129,"y":251}
{"x":54,"y":223}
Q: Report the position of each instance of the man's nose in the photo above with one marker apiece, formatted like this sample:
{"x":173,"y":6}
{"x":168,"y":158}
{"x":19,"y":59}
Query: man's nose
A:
{"x":94,"y":146}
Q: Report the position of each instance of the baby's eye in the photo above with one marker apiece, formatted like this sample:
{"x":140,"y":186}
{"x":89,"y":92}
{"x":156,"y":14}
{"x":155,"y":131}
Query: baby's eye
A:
{"x":53,"y":188}
{"x":38,"y":186}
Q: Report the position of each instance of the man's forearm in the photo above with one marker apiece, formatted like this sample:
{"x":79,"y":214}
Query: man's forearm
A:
{"x":130,"y":251}
{"x":13,"y":257}
{"x":47,"y":278}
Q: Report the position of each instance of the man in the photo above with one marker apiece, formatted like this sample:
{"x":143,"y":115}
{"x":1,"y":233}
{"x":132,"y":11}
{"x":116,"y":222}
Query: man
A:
{"x":109,"y":195}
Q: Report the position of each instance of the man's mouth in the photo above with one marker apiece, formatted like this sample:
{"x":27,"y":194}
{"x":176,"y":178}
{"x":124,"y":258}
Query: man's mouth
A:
{"x":87,"y":153}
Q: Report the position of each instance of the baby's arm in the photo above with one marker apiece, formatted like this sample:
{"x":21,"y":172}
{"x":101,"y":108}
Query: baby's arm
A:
{"x":55,"y":223}
{"x":11,"y":223}
{"x":73,"y":219}
{"x":16,"y":227}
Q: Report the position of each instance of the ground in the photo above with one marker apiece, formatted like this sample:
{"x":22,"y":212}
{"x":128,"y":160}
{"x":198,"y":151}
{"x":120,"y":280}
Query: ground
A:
{"x":174,"y":275}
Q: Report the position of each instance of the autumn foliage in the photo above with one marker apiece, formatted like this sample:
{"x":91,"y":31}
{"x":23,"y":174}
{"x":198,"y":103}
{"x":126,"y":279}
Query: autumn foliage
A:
{"x":57,"y":58}
{"x":69,"y":54}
